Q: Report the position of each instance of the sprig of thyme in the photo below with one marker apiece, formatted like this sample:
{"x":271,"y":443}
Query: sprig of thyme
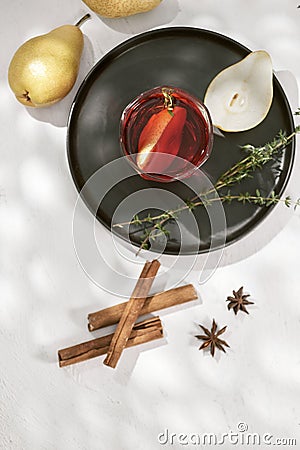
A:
{"x":255,"y":159}
{"x":156,"y":226}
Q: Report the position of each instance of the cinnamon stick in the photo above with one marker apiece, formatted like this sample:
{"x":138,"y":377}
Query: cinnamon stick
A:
{"x":172,"y":297}
{"x":142,"y":332}
{"x":131,"y":312}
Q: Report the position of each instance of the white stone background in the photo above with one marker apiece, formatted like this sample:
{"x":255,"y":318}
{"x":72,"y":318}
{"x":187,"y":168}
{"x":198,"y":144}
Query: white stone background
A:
{"x":45,"y":295}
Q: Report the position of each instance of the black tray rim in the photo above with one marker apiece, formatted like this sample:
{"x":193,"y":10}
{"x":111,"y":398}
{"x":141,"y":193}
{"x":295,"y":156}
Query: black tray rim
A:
{"x":157,"y":33}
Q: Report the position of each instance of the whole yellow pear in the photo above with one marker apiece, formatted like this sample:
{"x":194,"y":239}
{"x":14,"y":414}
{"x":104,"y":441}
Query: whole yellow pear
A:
{"x":121,"y":8}
{"x":44,"y":69}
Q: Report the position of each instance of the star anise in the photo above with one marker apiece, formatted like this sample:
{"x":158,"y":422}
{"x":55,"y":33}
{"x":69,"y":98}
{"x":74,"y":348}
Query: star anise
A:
{"x":239,"y":301}
{"x":211,"y":338}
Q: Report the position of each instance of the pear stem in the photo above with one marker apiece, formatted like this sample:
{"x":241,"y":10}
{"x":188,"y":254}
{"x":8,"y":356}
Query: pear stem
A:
{"x":82,"y":20}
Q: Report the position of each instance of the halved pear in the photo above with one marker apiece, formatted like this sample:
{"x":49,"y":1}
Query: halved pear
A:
{"x":240,"y":96}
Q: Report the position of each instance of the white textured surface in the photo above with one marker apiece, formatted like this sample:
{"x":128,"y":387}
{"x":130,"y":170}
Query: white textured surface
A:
{"x":45,"y":296}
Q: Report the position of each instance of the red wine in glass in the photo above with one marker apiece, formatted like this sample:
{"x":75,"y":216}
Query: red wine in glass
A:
{"x":166,"y":133}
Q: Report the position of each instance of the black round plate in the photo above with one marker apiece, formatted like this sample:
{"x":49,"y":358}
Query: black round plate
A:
{"x":188,"y":58}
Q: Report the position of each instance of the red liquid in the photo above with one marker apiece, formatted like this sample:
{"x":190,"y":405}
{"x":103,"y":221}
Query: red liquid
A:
{"x":186,"y":132}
